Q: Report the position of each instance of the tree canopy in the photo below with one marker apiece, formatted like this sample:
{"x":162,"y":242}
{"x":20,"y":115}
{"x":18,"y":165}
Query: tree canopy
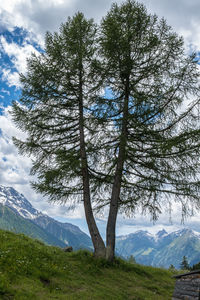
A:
{"x":111,"y":115}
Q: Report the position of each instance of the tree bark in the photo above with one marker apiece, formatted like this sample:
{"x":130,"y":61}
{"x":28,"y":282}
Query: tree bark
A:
{"x":112,"y":218}
{"x":98,"y":243}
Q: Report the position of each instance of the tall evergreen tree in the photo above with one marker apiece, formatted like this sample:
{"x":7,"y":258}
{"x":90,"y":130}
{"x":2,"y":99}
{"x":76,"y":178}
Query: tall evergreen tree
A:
{"x":151,"y":118}
{"x":184,"y":264}
{"x":139,"y":147}
{"x":55,"y":99}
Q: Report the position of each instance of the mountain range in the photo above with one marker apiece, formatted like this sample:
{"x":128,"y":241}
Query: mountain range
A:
{"x":17,"y":214}
{"x":161,"y":249}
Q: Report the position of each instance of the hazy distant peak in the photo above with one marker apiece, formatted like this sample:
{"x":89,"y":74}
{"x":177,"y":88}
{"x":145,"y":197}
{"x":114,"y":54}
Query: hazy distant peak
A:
{"x":161,"y":232}
{"x":161,"y":249}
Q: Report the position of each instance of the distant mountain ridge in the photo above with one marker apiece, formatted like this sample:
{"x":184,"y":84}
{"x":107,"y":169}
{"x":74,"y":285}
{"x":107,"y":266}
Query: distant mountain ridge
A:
{"x":161,"y":249}
{"x":53,"y":232}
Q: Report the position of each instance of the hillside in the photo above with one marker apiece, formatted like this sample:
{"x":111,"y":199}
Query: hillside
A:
{"x":32,"y":270}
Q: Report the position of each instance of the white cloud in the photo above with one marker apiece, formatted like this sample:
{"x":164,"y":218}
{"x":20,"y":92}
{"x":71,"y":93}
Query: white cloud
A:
{"x":182,"y":15}
{"x":170,"y":222}
{"x":12,"y":78}
{"x":123,"y":229}
{"x":38,"y":16}
{"x":18,"y":56}
{"x":15,"y":167}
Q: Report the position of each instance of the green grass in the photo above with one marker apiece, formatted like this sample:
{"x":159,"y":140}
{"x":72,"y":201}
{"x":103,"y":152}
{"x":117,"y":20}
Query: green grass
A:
{"x":31,"y":270}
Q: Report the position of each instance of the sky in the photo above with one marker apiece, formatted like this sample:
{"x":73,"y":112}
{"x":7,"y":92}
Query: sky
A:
{"x":23,"y":24}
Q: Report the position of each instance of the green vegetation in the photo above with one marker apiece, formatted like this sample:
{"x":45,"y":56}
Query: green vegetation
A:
{"x":31,"y":270}
{"x":196,"y":266}
{"x":184,"y":264}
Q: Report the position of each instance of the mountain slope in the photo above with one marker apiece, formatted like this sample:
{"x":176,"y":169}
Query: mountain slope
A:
{"x":13,"y":222}
{"x":162,"y":249}
{"x":64,"y":233}
{"x":31,"y":270}
{"x":186,"y":243}
{"x":18,"y":203}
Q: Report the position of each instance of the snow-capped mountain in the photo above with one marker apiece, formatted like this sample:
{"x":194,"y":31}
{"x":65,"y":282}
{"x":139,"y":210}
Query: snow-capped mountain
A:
{"x":162,"y":248}
{"x":17,"y":202}
{"x":65,"y":233}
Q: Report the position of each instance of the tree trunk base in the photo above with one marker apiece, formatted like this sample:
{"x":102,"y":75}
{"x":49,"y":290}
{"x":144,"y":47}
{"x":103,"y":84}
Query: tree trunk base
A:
{"x":100,"y":253}
{"x":110,"y":254}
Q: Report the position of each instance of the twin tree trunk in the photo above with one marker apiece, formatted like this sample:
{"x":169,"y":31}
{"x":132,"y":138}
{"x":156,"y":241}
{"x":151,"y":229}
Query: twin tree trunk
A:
{"x":100,"y":250}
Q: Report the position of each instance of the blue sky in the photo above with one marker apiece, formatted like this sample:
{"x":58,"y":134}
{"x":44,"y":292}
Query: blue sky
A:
{"x":22,"y":28}
{"x":7,"y":93}
{"x":13,"y":42}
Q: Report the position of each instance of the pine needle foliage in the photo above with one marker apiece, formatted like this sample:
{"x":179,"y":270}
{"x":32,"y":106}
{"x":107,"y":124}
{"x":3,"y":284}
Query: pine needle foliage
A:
{"x":151,"y":124}
{"x":50,"y":110}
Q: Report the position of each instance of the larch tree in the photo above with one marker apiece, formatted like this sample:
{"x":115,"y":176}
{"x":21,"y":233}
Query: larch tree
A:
{"x":150,"y":119}
{"x":55,"y":98}
{"x":139,"y":147}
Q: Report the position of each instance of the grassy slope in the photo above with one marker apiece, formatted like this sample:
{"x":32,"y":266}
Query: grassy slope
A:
{"x":32,"y":270}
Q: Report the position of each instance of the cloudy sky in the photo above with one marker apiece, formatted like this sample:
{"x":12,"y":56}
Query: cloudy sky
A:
{"x":23,"y":24}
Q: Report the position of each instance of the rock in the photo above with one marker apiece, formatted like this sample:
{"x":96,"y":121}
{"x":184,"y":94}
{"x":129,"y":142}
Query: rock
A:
{"x":68,"y":249}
